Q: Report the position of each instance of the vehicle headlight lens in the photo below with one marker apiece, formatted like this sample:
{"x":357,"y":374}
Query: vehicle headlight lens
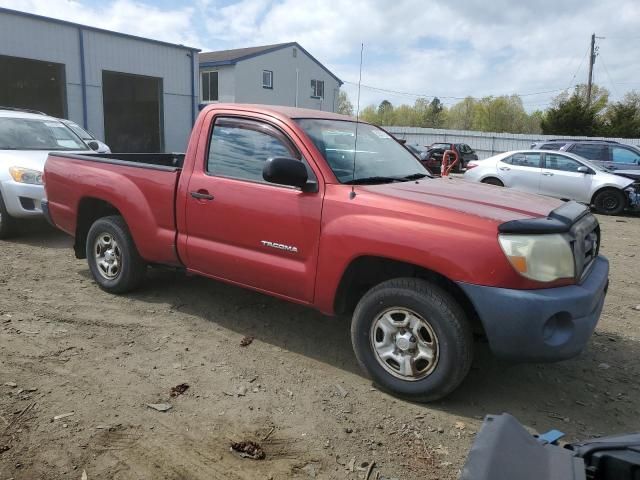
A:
{"x":26,"y":175}
{"x":539,"y":257}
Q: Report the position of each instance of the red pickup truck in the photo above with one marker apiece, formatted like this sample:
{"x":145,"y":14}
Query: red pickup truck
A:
{"x":315,"y":208}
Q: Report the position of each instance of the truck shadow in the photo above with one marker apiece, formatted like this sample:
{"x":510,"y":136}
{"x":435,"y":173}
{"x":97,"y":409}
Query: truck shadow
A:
{"x":595,"y":393}
{"x":36,"y":233}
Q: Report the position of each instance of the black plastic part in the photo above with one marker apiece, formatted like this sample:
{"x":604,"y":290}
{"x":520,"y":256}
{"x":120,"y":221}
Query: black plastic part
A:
{"x":611,"y":458}
{"x":154,"y":161}
{"x":44,"y":205}
{"x":285,"y":171}
{"x":504,"y":450}
{"x":559,"y":220}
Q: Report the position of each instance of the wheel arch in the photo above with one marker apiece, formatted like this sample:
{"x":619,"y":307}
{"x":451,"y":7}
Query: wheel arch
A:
{"x":365,"y":272}
{"x":603,"y":188}
{"x":90,"y":209}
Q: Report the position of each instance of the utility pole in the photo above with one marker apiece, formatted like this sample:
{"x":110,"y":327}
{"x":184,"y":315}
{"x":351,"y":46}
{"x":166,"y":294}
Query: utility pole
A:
{"x":592,"y":60}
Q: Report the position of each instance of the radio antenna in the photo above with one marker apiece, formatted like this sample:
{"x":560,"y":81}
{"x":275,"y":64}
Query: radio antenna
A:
{"x":352,"y":195}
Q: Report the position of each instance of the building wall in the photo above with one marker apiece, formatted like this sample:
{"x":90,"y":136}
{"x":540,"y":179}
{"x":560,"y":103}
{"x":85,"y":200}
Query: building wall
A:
{"x":247,"y":76}
{"x":37,"y":39}
{"x":226,"y":82}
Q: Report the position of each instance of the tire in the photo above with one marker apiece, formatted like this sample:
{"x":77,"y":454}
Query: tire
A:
{"x":445,"y":325}
{"x":8,"y":224}
{"x":609,"y":202}
{"x":493,"y":181}
{"x":113,"y":258}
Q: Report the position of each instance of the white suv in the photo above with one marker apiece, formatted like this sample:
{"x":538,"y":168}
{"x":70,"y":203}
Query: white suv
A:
{"x":25,"y":141}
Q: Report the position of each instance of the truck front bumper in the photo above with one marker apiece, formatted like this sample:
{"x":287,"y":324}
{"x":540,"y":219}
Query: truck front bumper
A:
{"x":541,"y":325}
{"x":21,"y":199}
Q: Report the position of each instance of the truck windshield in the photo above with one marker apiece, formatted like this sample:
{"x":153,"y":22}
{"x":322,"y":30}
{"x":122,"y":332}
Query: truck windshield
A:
{"x":378,"y":159}
{"x":36,"y":134}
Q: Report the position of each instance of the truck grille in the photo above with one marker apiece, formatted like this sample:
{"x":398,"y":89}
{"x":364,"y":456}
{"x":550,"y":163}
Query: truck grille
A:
{"x":586,"y":245}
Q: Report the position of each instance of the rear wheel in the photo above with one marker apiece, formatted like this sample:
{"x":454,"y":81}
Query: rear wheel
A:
{"x":609,"y":202}
{"x":113,"y":258}
{"x":493,"y":181}
{"x":412,"y":338}
{"x":8,"y":225}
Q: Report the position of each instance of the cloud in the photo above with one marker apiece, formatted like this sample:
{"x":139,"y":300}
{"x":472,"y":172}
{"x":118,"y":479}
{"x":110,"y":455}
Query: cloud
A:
{"x":126,"y":16}
{"x":448,"y":48}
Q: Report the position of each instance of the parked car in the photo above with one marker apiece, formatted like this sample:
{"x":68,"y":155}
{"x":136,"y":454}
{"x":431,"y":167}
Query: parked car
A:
{"x":435,"y":151}
{"x":26,"y":138}
{"x":608,"y":154}
{"x":266,"y":198}
{"x":87,"y":137}
{"x":560,"y":175}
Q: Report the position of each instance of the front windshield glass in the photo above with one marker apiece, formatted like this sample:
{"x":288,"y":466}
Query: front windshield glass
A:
{"x":36,"y":134}
{"x":81,"y":132}
{"x":379,"y":158}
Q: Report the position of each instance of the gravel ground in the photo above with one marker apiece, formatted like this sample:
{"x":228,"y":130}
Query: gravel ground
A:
{"x":71,"y":349}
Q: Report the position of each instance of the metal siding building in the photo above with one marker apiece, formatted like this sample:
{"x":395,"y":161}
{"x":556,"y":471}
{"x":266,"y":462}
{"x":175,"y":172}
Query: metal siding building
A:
{"x":107,"y":80}
{"x":240,"y":77}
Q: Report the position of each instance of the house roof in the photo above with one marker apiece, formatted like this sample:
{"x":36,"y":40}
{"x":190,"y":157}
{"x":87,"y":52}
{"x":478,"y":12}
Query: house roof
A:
{"x":231,"y":57}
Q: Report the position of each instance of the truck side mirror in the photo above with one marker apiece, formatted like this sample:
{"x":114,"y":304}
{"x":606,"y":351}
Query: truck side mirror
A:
{"x":285,"y":171}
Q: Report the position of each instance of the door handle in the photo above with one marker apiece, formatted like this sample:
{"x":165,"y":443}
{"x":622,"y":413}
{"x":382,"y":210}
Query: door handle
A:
{"x":547,"y":174}
{"x":505,"y":168}
{"x":202,"y":195}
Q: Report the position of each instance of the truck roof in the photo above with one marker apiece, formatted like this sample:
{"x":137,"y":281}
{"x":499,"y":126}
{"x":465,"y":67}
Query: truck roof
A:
{"x":280,"y":111}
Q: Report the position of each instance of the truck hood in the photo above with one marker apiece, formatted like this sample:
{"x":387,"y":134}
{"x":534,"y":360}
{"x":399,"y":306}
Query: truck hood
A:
{"x":34,"y":159}
{"x":488,"y":201}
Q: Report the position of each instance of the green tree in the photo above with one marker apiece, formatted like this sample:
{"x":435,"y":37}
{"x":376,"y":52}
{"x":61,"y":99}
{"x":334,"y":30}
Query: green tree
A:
{"x":622,"y":119}
{"x":385,"y":113}
{"x":571,"y":115}
{"x":370,"y":114}
{"x":345,"y":107}
{"x":461,"y":115}
{"x":435,"y":114}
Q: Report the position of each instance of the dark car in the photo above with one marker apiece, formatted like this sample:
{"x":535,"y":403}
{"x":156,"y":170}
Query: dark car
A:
{"x":609,"y":154}
{"x":436,"y":151}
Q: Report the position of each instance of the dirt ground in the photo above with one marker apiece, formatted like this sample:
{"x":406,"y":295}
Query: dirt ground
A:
{"x":70,"y":348}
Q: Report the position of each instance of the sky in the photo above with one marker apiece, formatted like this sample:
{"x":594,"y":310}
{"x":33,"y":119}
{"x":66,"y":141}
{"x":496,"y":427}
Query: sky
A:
{"x":412,"y":48}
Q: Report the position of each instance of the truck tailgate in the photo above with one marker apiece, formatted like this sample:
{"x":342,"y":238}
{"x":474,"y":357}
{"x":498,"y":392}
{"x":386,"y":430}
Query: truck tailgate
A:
{"x":144,"y":194}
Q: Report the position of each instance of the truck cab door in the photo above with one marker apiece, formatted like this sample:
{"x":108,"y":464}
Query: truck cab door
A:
{"x":243,"y":229}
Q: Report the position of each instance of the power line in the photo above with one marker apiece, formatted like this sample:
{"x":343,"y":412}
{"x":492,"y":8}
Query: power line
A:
{"x":424,"y":95}
{"x":578,"y":70}
{"x":613,"y":87}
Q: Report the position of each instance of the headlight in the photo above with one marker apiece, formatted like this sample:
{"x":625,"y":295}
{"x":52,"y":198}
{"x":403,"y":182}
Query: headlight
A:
{"x":25,"y":175}
{"x":539,"y":257}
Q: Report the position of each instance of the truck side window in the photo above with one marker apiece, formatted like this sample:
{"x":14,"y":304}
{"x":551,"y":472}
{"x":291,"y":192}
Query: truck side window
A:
{"x":238,"y":148}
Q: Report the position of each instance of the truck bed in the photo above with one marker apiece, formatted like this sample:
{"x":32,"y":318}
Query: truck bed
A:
{"x":140,"y":187}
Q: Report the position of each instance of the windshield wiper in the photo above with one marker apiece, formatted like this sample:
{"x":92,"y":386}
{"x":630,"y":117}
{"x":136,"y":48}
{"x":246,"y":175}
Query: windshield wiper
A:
{"x":371,"y":180}
{"x":415,"y":176}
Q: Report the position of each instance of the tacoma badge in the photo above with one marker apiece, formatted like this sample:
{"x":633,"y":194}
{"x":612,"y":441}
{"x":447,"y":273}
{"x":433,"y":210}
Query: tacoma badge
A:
{"x":280,"y":246}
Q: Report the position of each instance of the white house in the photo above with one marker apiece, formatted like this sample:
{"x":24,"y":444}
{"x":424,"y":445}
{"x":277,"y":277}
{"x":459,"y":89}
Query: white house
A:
{"x":281,"y":74}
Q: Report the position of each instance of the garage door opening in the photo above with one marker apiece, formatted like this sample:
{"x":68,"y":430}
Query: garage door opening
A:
{"x":33,"y":84}
{"x":132,"y":112}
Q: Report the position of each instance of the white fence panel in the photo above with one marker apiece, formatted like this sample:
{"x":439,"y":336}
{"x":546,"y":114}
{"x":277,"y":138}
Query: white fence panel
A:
{"x":485,"y":144}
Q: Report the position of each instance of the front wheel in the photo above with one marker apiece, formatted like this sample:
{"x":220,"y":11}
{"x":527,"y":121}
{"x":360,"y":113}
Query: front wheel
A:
{"x":412,"y":338}
{"x":113,"y":258}
{"x":609,"y":202}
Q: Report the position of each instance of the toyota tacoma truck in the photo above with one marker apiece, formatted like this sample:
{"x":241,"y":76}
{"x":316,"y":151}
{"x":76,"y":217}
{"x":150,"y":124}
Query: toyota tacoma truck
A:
{"x":318,"y":209}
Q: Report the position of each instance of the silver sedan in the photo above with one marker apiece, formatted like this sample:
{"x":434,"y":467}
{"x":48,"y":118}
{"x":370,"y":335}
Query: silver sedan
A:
{"x":557,"y":174}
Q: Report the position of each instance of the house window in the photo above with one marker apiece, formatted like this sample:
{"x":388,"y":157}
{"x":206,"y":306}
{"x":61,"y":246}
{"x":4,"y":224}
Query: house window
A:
{"x":267,"y":79}
{"x":209,"y":81}
{"x":317,"y":88}
{"x":295,"y":52}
